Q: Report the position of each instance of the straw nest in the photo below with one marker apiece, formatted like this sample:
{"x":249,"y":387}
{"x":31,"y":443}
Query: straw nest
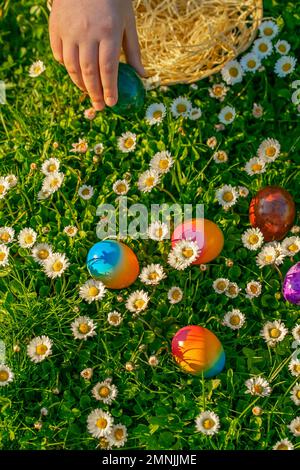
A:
{"x":183,"y":41}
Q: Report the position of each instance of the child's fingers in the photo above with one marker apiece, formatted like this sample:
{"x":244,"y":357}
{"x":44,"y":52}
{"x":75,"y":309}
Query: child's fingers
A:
{"x":71,"y":62}
{"x":109,"y":56}
{"x":132,"y":49}
{"x":89,"y":64}
{"x":57,"y":47}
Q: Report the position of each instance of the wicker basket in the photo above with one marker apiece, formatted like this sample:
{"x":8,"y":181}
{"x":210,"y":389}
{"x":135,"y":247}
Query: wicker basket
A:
{"x":183,"y":41}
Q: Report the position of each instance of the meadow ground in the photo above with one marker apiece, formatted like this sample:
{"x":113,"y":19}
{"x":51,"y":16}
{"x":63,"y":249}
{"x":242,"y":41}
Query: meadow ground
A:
{"x":157,"y":403}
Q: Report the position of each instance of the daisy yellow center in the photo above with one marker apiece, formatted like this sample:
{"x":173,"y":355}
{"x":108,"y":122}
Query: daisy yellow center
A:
{"x":235,"y":320}
{"x":221,"y":285}
{"x":208,"y":423}
{"x":256,"y":167}
{"x":119,"y":434}
{"x":263,"y":47}
{"x":4,"y":237}
{"x":270,"y":151}
{"x":93,"y":291}
{"x":101,"y":423}
{"x":293,"y":247}
{"x":2,"y":256}
{"x":187,"y":252}
{"x":159,"y":232}
{"x":57,"y":266}
{"x":274,"y":333}
{"x":228,"y":116}
{"x":52,"y":167}
{"x":251,"y":63}
{"x":181,"y":108}
{"x":114,"y":319}
{"x":163,"y":164}
{"x":232,"y":290}
{"x":268,"y":31}
{"x":3,"y":375}
{"x":2,"y":189}
{"x":121,"y":187}
{"x":55,"y":182}
{"x":37,"y":69}
{"x":298,"y":394}
{"x":103,"y":443}
{"x":43,"y":254}
{"x":268,"y":259}
{"x":253,"y":288}
{"x":153,"y":276}
{"x":41,"y":349}
{"x":221,"y":156}
{"x":233,"y":72}
{"x":71,"y":230}
{"x":282,"y":48}
{"x":228,"y":196}
{"x":129,"y":142}
{"x":257,"y":388}
{"x":104,"y":391}
{"x":176,"y":295}
{"x":84,"y":328}
{"x":297,"y":428}
{"x":86,"y":192}
{"x":286,"y":67}
{"x":157,"y":114}
{"x":149,"y":181}
{"x":282,"y":447}
{"x":296,"y":368}
{"x":28,"y":239}
{"x":82,"y":146}
{"x":218,"y":90}
{"x":139,"y":303}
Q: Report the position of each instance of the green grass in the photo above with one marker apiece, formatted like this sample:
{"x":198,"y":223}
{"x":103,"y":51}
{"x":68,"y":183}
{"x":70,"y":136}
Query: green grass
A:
{"x":158,"y":405}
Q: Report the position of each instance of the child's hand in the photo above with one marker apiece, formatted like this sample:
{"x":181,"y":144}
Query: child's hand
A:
{"x":86,"y":36}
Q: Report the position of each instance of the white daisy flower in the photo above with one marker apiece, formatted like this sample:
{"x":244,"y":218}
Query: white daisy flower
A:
{"x":258,"y":386}
{"x":262,"y":47}
{"x":181,"y":106}
{"x":87,"y":374}
{"x":232,"y":72}
{"x":153,"y":361}
{"x":121,"y":187}
{"x":294,"y":426}
{"x":27,"y":238}
{"x":36,"y":69}
{"x":211,"y":142}
{"x":137,"y":301}
{"x":99,"y":423}
{"x":207,"y":423}
{"x":296,"y":97}
{"x":118,"y":435}
{"x":4,"y":252}
{"x":162,"y":162}
{"x":152,"y":274}
{"x":253,"y":289}
{"x":39,"y":348}
{"x":285,"y":65}
{"x":227,"y":115}
{"x":274,"y":332}
{"x":269,"y":255}
{"x":186,"y":250}
{"x":155,"y":113}
{"x":243,"y":191}
{"x":71,"y":230}
{"x":114,"y":318}
{"x":218,"y":91}
{"x":295,"y":84}
{"x":4,"y":187}
{"x":220,"y":285}
{"x":55,"y":265}
{"x":40,"y":252}
{"x":232,"y":290}
{"x":127,"y":142}
{"x":255,"y":166}
{"x":177,"y":262}
{"x":80,"y":147}
{"x":283,"y":444}
{"x":86,"y":192}
{"x":220,"y":156}
{"x":252,"y":238}
{"x":295,"y":229}
{"x":250,"y":62}
{"x":42,"y":195}
{"x":12,"y":180}
{"x":83,"y":327}
{"x":52,"y":182}
{"x":92,"y":290}
{"x":105,"y":391}
{"x":257,"y":111}
{"x":148,"y":180}
{"x":290,"y":246}
{"x":296,"y":332}
{"x":269,"y":150}
{"x":282,"y":47}
{"x":175,"y":295}
{"x":50,"y":166}
{"x":158,"y":231}
{"x":6,"y":375}
{"x":99,"y":148}
{"x":234,"y":319}
{"x":294,"y":367}
{"x":295,"y":394}
{"x":6,"y":235}
{"x":195,"y":113}
{"x":268,"y":29}
{"x":227,"y":196}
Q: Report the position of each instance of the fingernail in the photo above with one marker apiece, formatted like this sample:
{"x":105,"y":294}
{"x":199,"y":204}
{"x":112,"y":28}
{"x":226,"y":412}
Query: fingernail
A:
{"x":110,"y":100}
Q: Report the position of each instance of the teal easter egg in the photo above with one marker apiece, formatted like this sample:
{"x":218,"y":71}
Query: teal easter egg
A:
{"x":131,"y":91}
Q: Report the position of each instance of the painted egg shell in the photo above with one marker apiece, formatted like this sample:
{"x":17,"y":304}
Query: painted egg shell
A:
{"x":131,"y":91}
{"x":272,"y":210}
{"x":206,"y":233}
{"x":113,"y":263}
{"x":197,"y":349}
{"x":291,"y":285}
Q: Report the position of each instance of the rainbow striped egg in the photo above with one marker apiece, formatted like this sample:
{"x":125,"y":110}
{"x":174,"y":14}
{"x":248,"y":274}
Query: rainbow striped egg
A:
{"x":113,"y":263}
{"x":197,"y":349}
